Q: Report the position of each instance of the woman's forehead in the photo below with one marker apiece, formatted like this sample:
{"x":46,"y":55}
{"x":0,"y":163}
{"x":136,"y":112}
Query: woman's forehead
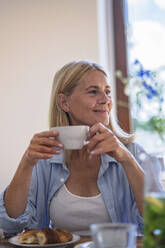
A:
{"x":94,"y":78}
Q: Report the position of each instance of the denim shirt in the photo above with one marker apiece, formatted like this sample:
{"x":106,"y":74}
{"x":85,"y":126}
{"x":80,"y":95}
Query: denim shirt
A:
{"x":49,"y":175}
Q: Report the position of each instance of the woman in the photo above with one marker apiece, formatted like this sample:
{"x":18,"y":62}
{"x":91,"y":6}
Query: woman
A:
{"x":102,"y":182}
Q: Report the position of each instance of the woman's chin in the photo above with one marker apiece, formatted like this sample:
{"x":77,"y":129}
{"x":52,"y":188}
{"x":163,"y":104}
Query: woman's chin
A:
{"x":104,"y":122}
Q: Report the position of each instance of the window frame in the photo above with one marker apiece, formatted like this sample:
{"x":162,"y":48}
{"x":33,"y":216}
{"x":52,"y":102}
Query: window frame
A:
{"x":120,"y":56}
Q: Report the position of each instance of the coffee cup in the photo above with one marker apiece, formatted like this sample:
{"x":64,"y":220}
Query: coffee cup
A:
{"x":72,"y":137}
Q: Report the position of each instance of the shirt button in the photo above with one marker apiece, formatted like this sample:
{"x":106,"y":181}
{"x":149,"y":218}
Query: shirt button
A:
{"x":62,"y":179}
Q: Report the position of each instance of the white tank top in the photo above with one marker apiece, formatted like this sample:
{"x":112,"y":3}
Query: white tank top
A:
{"x":75,"y":213}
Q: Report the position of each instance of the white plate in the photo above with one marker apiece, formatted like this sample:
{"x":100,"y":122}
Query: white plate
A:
{"x":89,"y":244}
{"x":14,"y":241}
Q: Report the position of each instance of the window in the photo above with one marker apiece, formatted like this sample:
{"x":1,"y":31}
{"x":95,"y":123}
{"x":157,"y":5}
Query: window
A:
{"x":146,"y":38}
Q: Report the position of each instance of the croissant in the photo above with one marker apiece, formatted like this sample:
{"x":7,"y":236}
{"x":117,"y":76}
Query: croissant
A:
{"x":45,"y":236}
{"x":64,"y":236}
{"x":28,"y":237}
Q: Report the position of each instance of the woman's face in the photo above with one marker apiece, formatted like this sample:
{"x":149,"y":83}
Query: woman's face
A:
{"x":90,"y":101}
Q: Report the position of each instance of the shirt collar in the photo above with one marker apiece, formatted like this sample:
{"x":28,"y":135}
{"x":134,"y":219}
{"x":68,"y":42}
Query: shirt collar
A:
{"x":58,"y":159}
{"x":106,"y":160}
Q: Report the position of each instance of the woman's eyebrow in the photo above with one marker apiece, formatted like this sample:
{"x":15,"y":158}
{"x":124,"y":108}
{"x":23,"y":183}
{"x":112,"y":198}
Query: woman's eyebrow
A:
{"x":97,"y":87}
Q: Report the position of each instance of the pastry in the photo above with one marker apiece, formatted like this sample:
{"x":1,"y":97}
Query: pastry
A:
{"x":64,"y":236}
{"x":28,"y":237}
{"x":45,"y":236}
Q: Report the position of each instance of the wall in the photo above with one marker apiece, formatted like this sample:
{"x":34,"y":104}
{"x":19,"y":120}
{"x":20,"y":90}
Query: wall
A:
{"x":37,"y":38}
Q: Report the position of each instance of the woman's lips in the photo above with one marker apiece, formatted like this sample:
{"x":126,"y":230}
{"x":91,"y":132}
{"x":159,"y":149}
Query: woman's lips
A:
{"x":101,"y":111}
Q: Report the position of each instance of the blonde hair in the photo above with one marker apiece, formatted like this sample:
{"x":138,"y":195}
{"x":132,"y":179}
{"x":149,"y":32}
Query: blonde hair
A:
{"x":65,"y":80}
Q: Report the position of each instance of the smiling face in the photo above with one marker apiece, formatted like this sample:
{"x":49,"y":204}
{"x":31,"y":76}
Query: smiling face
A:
{"x":90,"y":102}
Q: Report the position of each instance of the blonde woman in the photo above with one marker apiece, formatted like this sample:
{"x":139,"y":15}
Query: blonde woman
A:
{"x":102,"y":182}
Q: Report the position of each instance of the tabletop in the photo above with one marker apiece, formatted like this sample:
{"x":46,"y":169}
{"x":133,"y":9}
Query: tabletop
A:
{"x":5,"y":244}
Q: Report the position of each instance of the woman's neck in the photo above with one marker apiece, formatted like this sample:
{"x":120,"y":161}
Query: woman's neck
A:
{"x":82,"y":159}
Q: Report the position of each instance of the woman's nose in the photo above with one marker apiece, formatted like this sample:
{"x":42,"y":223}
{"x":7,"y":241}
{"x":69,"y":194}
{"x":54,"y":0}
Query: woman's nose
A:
{"x":104,"y":98}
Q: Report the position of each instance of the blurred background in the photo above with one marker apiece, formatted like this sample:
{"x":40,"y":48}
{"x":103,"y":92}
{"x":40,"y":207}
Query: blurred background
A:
{"x":38,"y":37}
{"x":145,"y":34}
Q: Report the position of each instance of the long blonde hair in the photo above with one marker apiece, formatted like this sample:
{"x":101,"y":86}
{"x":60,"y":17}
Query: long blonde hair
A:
{"x":65,"y":80}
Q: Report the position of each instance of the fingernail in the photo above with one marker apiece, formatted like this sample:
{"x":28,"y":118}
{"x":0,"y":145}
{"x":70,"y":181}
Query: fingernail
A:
{"x":58,"y":151}
{"x":55,"y":132}
{"x":60,"y":145}
{"x":50,"y":156}
{"x":92,"y":152}
{"x":90,"y":156}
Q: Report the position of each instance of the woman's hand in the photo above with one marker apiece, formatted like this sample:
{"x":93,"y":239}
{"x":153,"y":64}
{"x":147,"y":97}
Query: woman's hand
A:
{"x":102,"y":140}
{"x":42,"y":146}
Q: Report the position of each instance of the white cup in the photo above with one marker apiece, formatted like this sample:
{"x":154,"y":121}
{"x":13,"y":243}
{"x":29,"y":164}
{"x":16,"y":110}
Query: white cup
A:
{"x":73,"y":137}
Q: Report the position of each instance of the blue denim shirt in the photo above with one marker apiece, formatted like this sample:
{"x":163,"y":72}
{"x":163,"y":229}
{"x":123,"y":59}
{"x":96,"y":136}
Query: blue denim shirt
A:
{"x":49,"y":175}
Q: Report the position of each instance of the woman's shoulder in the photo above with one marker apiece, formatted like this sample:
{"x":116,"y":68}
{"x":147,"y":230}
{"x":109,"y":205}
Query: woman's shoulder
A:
{"x":143,"y":157}
{"x":45,"y":167}
{"x":135,"y":148}
{"x":47,"y":163}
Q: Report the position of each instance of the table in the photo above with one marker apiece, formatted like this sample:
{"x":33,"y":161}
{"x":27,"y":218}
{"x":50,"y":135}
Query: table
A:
{"x":6,"y":244}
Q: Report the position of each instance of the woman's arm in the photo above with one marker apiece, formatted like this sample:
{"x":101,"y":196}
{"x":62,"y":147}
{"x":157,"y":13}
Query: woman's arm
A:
{"x":41,"y":147}
{"x":135,"y":175}
{"x":102,"y":141}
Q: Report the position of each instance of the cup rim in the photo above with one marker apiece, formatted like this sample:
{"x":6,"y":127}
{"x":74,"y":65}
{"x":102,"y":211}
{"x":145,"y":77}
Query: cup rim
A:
{"x":97,"y":226}
{"x":70,"y":126}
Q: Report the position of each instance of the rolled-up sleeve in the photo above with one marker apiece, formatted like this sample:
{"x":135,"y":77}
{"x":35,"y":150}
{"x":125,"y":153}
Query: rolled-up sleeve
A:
{"x":137,"y":218}
{"x":12,"y":226}
{"x":152,"y":166}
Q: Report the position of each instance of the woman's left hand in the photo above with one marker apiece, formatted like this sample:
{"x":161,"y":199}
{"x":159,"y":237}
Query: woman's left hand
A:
{"x":102,"y":140}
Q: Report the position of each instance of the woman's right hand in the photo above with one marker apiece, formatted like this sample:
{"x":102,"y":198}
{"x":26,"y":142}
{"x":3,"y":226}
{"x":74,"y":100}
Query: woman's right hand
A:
{"x":42,"y":146}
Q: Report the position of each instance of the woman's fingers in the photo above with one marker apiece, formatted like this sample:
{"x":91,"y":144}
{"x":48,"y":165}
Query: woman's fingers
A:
{"x":97,"y":138}
{"x":102,"y":140}
{"x":102,"y":147}
{"x":50,"y":133}
{"x":34,"y":156}
{"x":48,"y":138}
{"x":44,"y":149}
{"x":43,"y":145}
{"x":46,"y":141}
{"x":96,"y":129}
{"x":101,"y":144}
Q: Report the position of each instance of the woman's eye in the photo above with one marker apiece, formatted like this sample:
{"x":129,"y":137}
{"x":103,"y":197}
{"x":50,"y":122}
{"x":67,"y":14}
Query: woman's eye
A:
{"x":108,"y":92}
{"x":92,"y":92}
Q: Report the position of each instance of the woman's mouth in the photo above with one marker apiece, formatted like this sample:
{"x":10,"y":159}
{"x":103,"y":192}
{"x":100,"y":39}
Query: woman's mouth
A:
{"x":101,"y":111}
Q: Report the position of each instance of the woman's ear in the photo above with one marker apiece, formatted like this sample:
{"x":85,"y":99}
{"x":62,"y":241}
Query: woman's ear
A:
{"x":63,"y":102}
